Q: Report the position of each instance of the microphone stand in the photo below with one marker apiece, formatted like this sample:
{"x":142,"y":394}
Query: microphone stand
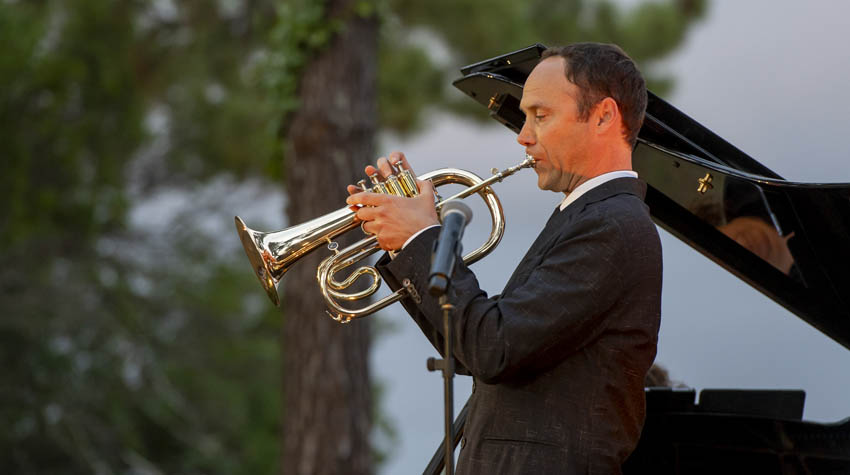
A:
{"x":447,"y":365}
{"x":447,"y":251}
{"x":438,"y":460}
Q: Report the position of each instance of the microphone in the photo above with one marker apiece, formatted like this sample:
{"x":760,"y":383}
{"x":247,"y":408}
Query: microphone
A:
{"x":455,"y":215}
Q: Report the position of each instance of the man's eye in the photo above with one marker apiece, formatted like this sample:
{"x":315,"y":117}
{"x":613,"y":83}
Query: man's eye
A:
{"x":539,"y":117}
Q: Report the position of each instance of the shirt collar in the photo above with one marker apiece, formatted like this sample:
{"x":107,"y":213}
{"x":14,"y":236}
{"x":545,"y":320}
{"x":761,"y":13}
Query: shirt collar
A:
{"x":593,"y":183}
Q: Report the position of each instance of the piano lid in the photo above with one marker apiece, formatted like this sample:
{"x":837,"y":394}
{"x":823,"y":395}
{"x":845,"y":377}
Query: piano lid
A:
{"x":789,"y":240}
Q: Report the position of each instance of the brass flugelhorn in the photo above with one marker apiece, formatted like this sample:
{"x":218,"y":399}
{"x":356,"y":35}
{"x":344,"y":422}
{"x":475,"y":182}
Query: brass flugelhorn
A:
{"x":272,"y":253}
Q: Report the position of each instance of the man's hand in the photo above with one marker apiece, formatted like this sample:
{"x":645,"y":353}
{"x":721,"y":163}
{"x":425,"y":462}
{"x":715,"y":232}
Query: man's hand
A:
{"x":394,"y":219}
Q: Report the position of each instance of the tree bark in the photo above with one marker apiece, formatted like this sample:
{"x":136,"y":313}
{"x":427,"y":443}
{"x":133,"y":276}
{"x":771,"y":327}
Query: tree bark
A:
{"x":326,"y":387}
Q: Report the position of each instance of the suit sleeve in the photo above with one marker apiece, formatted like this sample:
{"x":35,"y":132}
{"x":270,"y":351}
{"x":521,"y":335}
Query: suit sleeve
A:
{"x":420,"y":247}
{"x":557,"y":307}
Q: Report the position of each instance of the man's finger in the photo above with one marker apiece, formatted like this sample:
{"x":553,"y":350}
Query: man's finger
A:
{"x":400,"y":161}
{"x":366,"y":198}
{"x":366,"y":213}
{"x":425,"y":187}
{"x":384,"y":167}
{"x":368,"y":227}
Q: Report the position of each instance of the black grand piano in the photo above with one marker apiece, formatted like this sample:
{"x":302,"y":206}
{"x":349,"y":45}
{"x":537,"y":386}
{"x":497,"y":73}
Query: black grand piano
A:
{"x":790,"y":241}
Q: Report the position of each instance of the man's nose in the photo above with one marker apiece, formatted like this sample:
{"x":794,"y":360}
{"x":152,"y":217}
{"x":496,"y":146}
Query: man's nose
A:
{"x":525,"y":137}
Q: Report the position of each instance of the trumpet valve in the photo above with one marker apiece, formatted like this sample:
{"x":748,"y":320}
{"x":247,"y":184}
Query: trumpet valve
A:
{"x":394,"y":186}
{"x":378,"y":187}
{"x":408,"y":183}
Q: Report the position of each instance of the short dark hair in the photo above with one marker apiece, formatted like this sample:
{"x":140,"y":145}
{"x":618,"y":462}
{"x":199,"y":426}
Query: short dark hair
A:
{"x":605,"y":70}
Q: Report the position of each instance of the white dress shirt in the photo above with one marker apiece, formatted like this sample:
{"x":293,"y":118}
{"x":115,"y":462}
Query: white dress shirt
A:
{"x":593,"y":183}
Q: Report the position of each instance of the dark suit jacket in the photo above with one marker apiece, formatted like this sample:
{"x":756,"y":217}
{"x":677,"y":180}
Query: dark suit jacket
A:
{"x":559,"y":358}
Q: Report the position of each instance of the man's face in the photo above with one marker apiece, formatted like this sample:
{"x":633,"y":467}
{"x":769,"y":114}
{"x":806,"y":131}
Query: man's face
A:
{"x":553,"y":133}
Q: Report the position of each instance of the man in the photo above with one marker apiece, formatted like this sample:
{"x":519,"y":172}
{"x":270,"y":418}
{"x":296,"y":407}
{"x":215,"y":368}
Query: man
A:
{"x":559,"y":358}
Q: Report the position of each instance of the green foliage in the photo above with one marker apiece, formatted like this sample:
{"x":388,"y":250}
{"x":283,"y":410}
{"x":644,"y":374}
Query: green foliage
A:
{"x":203,"y":76}
{"x":412,"y":78}
{"x":422,"y":82}
{"x":113,"y":366}
{"x":128,"y":349}
{"x":301,"y":30}
{"x":471,"y":32}
{"x":68,"y":115}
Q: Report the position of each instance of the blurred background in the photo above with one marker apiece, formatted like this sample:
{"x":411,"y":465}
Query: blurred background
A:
{"x":133,"y":337}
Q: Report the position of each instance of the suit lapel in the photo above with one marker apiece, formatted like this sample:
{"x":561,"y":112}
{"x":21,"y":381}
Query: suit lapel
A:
{"x":547,"y":236}
{"x":558,"y":224}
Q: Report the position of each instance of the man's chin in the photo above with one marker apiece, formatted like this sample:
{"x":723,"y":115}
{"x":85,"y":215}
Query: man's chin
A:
{"x":545,"y":181}
{"x":541,"y":181}
{"x":545,"y":186}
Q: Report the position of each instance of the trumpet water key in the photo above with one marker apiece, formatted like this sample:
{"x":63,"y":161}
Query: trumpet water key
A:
{"x":272,"y":253}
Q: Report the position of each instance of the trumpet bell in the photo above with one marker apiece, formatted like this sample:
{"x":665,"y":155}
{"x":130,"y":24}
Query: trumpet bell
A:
{"x":271,"y":254}
{"x":260,"y":258}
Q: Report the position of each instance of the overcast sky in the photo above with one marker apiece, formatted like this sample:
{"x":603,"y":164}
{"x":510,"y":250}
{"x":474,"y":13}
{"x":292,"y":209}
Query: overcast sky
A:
{"x":768,"y":76}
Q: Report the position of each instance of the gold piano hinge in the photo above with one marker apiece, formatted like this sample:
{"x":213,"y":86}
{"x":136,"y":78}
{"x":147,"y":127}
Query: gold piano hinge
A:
{"x":494,"y":102}
{"x":411,"y":290}
{"x":705,"y":183}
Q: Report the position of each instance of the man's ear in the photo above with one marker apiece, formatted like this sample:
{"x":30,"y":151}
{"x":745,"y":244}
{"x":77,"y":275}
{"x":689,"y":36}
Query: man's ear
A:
{"x":607,"y":114}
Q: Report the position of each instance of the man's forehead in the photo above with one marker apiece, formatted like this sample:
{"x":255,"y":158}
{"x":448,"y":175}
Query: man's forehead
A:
{"x":547,"y":82}
{"x":550,"y":64}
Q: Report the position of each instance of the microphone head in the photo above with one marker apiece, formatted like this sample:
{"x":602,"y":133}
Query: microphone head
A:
{"x":456,"y":206}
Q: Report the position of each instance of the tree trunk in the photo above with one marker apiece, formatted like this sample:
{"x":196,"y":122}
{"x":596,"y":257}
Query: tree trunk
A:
{"x":326,"y":386}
